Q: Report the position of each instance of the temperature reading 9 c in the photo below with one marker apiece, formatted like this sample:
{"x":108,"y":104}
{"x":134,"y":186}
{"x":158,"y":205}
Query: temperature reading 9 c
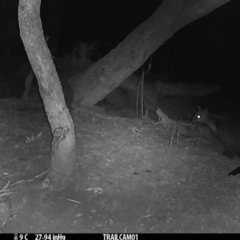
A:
{"x":23,"y":236}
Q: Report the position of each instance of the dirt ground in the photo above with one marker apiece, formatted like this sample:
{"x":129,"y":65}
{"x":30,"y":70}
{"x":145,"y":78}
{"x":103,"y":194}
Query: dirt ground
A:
{"x":131,"y":176}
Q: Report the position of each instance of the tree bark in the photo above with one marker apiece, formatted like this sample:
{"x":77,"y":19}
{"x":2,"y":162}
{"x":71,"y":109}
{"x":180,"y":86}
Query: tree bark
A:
{"x":63,"y":149}
{"x":109,"y":72}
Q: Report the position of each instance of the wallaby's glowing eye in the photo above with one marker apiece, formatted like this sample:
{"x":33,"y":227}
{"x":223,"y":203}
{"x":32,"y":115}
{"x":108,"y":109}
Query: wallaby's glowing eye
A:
{"x":198,"y":116}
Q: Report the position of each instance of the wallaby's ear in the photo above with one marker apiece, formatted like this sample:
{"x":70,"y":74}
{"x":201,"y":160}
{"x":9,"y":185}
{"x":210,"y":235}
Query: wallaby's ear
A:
{"x":199,"y":108}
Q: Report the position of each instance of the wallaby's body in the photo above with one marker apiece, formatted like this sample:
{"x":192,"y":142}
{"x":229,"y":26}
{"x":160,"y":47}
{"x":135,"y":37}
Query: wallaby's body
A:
{"x":226,"y":129}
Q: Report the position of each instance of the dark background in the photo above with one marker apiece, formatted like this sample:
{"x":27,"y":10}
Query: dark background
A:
{"x":206,"y":51}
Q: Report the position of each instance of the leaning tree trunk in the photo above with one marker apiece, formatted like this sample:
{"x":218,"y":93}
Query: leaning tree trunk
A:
{"x":109,"y":72}
{"x":63,"y":149}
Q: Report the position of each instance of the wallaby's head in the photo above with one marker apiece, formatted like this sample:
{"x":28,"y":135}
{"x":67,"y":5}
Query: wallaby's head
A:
{"x":201,"y":115}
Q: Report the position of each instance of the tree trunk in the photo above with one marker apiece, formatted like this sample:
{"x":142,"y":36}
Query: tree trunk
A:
{"x":63,"y":149}
{"x":109,"y":72}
